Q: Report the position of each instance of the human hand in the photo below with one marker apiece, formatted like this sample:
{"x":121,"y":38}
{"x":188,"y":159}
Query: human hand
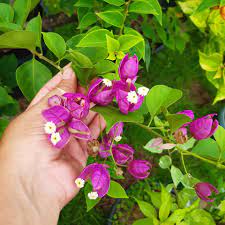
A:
{"x":36,"y":177}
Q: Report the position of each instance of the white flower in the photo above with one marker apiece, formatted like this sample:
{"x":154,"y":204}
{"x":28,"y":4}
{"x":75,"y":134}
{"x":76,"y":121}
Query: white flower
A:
{"x":79,"y":182}
{"x":50,"y":128}
{"x":107,"y":82}
{"x":55,"y":138}
{"x":93,"y":195}
{"x":143,"y":91}
{"x":132,"y":97}
{"x":117,"y":138}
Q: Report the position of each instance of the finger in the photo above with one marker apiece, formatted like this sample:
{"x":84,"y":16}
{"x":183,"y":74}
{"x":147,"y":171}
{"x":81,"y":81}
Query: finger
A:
{"x":67,"y":84}
{"x":49,"y":86}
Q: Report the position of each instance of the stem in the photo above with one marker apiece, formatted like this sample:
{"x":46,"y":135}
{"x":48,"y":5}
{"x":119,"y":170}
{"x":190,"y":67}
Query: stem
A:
{"x":40,"y":56}
{"x":125,"y":16}
{"x":217,"y":164}
{"x":182,"y":160}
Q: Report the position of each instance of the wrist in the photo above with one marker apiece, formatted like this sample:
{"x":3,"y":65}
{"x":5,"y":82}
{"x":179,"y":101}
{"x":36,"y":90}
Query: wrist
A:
{"x":20,"y":204}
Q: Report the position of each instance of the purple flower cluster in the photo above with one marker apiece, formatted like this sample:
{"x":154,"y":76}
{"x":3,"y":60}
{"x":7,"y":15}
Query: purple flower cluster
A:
{"x":122,"y":155}
{"x":200,"y":128}
{"x":64,"y":118}
{"x":129,"y":99}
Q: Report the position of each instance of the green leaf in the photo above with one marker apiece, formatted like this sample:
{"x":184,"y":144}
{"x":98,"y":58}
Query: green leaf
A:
{"x":34,"y":4}
{"x":222,"y":2}
{"x":188,"y":181}
{"x":160,"y":97}
{"x":155,"y":198}
{"x":55,"y":43}
{"x":152,"y":149}
{"x":142,"y":7}
{"x":176,"y":175}
{"x":31,"y":76}
{"x":35,"y":25}
{"x":116,"y":190}
{"x":18,"y":39}
{"x":146,"y":208}
{"x":5,"y":27}
{"x":166,"y":205}
{"x":104,"y":66}
{"x":21,"y":9}
{"x":147,"y":58}
{"x":210,"y":62}
{"x":128,"y":41}
{"x":220,"y":138}
{"x":114,"y":18}
{"x":115,"y":2}
{"x":113,"y":45}
{"x":3,"y":124}
{"x":155,"y":4}
{"x":185,"y":196}
{"x":90,"y":203}
{"x":146,"y":221}
{"x":96,"y":38}
{"x":5,"y":99}
{"x":6,"y":13}
{"x":208,"y":148}
{"x":87,"y":20}
{"x":85,"y":3}
{"x":176,"y":121}
{"x":165,"y":162}
{"x":206,"y":4}
{"x":113,"y":115}
{"x":199,"y":217}
{"x":72,"y":42}
{"x":79,"y":59}
{"x":8,"y":65}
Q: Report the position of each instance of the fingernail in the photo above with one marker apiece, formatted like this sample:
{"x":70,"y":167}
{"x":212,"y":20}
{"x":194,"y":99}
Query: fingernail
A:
{"x":67,"y":74}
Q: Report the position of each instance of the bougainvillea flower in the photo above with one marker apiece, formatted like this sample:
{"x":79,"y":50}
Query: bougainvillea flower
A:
{"x":116,"y":131}
{"x":114,"y":134}
{"x":204,"y":190}
{"x":78,"y":105}
{"x":60,"y":126}
{"x":100,"y":92}
{"x":204,"y":127}
{"x":99,"y":177}
{"x":188,"y":113}
{"x":55,"y":100}
{"x":140,"y":169}
{"x":122,"y":153}
{"x":128,"y":68}
{"x":58,"y":115}
{"x":127,"y":98}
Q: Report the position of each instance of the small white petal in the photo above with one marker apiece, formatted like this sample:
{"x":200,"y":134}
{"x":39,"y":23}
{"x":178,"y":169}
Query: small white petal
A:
{"x":143,"y":91}
{"x":117,"y":138}
{"x":80,"y":182}
{"x":132,"y":97}
{"x":55,"y":138}
{"x":93,"y":195}
{"x":50,"y":128}
{"x":107,"y":82}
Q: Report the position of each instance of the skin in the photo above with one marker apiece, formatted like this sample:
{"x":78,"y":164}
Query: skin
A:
{"x":36,"y":179}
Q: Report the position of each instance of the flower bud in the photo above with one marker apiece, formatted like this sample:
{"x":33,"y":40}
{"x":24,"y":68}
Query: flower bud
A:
{"x":119,"y":171}
{"x":77,"y":104}
{"x":100,"y":92}
{"x":203,"y":127}
{"x":181,"y":135}
{"x":93,"y":148}
{"x":204,"y":190}
{"x":55,"y":100}
{"x":128,"y":68}
{"x":140,"y":169}
{"x":122,"y":153}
